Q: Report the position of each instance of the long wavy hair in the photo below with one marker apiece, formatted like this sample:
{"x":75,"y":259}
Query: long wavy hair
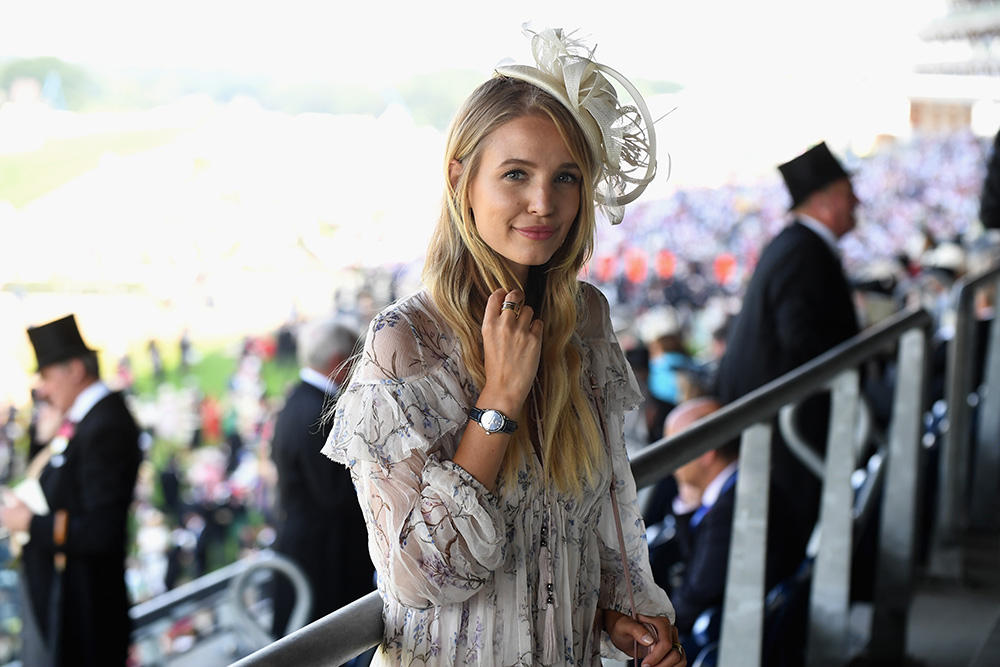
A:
{"x":461,"y":271}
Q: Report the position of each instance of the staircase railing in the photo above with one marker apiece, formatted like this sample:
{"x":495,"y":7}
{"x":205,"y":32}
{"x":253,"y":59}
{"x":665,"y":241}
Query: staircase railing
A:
{"x":968,"y":486}
{"x":223,"y":594}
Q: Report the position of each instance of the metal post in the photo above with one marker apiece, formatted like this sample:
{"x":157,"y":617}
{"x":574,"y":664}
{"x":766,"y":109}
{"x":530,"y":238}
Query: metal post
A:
{"x":946,"y":557}
{"x":985,"y":510}
{"x":897,"y":533}
{"x":742,"y":638}
{"x":829,"y":603}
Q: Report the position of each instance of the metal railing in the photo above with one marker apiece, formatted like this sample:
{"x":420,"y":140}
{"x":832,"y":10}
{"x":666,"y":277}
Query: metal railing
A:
{"x":224,"y":593}
{"x":352,"y":630}
{"x":968,"y":486}
{"x":750,"y":417}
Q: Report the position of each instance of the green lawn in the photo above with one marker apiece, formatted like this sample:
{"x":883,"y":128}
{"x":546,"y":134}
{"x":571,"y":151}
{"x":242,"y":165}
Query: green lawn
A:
{"x":25,"y":177}
{"x":211,"y":372}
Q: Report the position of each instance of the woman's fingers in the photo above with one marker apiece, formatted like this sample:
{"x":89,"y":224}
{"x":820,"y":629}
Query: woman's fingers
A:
{"x":664,"y":652}
{"x":506,"y":303}
{"x":511,"y":344}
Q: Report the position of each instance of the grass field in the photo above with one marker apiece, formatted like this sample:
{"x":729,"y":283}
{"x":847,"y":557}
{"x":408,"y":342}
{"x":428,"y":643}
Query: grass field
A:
{"x":211,"y":371}
{"x":27,"y":176}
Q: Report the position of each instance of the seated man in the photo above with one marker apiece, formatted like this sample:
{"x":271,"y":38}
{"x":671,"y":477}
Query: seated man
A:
{"x":689,"y":547}
{"x":704,"y":515}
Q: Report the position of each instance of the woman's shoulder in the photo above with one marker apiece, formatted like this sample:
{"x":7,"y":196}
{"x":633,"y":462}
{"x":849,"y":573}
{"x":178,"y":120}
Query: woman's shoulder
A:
{"x":406,"y":339}
{"x":595,"y":312}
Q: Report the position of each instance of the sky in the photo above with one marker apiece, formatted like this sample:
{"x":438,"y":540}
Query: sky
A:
{"x":382,"y":42}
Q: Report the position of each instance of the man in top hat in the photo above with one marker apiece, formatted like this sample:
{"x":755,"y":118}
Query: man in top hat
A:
{"x":797,"y":306}
{"x":72,"y":527}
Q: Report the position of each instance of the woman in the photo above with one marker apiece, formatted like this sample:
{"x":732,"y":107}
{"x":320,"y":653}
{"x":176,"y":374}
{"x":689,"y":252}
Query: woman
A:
{"x":476,"y":444}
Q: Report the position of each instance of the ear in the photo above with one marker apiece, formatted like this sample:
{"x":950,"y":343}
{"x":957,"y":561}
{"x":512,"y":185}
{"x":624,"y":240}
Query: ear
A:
{"x":455,"y":169}
{"x":77,"y":370}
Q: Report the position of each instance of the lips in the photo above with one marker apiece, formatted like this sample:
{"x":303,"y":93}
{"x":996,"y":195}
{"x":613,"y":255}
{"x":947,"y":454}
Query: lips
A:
{"x":540,"y":233}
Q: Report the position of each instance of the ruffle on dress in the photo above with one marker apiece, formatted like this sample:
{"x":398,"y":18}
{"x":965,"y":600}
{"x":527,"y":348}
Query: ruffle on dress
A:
{"x":407,"y":395}
{"x":383,"y":422}
{"x":605,"y":358}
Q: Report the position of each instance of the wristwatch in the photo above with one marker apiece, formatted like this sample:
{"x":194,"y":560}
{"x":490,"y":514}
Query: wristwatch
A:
{"x":493,"y":421}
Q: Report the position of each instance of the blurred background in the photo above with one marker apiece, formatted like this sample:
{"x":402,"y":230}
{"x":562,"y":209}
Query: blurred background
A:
{"x":222,"y":167}
{"x":193,"y":179}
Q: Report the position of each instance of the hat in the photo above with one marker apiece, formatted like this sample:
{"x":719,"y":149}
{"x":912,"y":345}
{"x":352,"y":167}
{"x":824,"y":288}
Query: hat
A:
{"x":811,"y":171}
{"x":946,"y":256}
{"x":621,"y":136}
{"x":658,"y":322}
{"x":57,"y":341}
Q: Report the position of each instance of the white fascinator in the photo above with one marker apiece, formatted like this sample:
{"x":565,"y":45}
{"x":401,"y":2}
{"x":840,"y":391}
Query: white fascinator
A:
{"x":621,"y":136}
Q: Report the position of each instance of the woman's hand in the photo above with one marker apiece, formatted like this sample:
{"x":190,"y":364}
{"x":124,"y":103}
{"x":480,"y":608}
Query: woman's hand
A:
{"x":512,"y":345}
{"x":655,"y":652}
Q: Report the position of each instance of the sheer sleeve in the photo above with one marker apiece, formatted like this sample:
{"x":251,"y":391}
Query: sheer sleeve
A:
{"x":620,"y":392}
{"x":435,"y":534}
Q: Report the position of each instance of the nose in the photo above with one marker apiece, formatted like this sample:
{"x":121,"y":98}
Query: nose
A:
{"x":541,"y":199}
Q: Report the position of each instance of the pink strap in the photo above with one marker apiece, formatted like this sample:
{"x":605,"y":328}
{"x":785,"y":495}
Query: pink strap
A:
{"x":618,"y":519}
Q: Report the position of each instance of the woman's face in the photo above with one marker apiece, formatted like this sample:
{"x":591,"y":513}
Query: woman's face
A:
{"x":526,"y":194}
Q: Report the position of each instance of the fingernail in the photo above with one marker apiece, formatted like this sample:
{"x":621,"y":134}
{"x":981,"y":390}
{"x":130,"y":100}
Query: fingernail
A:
{"x":647,"y":639}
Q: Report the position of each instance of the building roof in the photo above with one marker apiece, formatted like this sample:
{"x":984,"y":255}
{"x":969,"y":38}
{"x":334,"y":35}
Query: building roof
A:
{"x":965,"y":23}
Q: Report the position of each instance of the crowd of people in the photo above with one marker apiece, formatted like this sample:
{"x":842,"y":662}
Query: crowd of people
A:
{"x":212,"y":499}
{"x":458,"y":387}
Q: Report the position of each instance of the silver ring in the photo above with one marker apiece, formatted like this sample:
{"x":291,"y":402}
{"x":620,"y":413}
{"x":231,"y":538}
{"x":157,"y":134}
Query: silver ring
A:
{"x":512,"y":306}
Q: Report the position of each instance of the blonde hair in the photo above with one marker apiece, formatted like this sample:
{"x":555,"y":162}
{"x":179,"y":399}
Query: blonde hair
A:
{"x":461,"y":271}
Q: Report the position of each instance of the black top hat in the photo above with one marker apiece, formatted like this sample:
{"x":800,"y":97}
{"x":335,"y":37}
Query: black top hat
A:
{"x":811,"y":171}
{"x":57,"y":341}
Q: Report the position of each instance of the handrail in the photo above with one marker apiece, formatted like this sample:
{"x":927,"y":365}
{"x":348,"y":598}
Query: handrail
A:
{"x":667,"y":454}
{"x":165,"y":605}
{"x":332,"y":640}
{"x":246,"y":623}
{"x":953,"y":508}
{"x":223,"y":590}
{"x":353,"y":629}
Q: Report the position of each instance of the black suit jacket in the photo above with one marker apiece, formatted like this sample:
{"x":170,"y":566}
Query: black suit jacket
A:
{"x":320,"y":525}
{"x":706,"y":559}
{"x":94,"y":482}
{"x":797,"y":306}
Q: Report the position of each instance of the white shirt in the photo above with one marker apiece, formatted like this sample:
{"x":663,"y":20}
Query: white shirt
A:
{"x":709,"y":495}
{"x":86,"y":400}
{"x":714,"y":488}
{"x":315,"y":378}
{"x":822,"y":230}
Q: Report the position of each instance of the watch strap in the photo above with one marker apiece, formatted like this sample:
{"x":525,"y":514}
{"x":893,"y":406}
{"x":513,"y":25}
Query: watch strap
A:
{"x":508,"y":425}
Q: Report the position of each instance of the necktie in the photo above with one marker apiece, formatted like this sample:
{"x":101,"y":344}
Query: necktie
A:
{"x":698,"y":515}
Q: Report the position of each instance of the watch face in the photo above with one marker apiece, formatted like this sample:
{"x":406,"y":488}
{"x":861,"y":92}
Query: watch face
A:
{"x":492,"y":421}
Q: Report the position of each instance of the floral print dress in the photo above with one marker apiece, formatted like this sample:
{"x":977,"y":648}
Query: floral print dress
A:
{"x":470,"y":577}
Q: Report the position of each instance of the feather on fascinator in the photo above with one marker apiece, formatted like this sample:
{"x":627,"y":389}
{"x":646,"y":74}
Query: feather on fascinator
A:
{"x":620,"y":136}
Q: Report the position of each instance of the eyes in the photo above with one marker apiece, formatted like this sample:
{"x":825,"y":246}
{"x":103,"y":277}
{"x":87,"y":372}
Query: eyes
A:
{"x":567,"y":177}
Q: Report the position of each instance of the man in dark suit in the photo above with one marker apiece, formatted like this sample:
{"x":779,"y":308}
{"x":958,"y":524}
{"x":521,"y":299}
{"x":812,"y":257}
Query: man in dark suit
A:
{"x":693,"y":566}
{"x":704,"y":509}
{"x":797,"y":306}
{"x":74,"y":599}
{"x":320,"y":525}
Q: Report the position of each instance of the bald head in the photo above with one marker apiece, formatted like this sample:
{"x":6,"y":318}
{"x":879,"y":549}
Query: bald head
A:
{"x":688,"y":413}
